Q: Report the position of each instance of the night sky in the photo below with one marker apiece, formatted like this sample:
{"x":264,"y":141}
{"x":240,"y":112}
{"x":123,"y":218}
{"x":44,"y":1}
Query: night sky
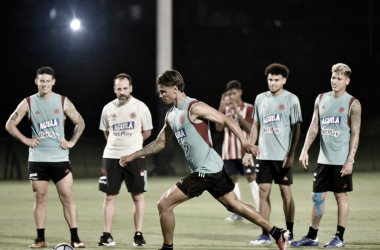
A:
{"x":214,"y":42}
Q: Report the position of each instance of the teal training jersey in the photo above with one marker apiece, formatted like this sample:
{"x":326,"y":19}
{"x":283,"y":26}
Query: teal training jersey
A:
{"x":276,"y":115}
{"x":334,"y":120}
{"x":194,"y":138}
{"x":47,"y":122}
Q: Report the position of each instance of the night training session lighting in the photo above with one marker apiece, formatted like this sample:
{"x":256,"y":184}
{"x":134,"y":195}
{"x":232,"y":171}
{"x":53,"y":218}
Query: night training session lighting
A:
{"x":75,"y":24}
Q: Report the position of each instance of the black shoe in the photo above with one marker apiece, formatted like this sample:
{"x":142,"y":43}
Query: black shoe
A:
{"x":166,"y":248}
{"x":106,"y":240}
{"x":138,"y":239}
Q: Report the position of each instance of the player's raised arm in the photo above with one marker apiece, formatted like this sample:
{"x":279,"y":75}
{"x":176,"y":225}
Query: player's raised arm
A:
{"x":203,"y":111}
{"x":355,"y":114}
{"x":14,"y":120}
{"x":311,"y":135}
{"x":78,"y":121}
{"x":152,"y":148}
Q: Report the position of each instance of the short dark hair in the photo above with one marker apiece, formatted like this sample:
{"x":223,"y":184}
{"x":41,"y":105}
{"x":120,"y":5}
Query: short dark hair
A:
{"x":123,"y":76}
{"x":171,"y":78}
{"x":45,"y":70}
{"x":277,"y":69}
{"x":233,"y":85}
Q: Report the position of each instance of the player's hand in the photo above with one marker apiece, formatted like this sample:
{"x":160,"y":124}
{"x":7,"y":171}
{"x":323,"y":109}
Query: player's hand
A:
{"x":347,"y":168}
{"x":66,"y":144}
{"x":234,"y":106}
{"x":223,"y":102}
{"x":252,"y":149}
{"x":33,"y":142}
{"x":288,"y":162}
{"x":247,"y":160}
{"x":304,"y":160}
{"x":125,"y":159}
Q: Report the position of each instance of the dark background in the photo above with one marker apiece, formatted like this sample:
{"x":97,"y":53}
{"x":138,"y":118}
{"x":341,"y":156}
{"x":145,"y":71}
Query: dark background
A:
{"x":214,"y":41}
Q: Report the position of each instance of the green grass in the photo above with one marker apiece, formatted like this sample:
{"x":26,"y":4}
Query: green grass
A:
{"x":199,"y":222}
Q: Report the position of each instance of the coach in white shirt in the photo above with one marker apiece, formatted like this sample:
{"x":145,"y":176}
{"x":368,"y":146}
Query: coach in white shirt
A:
{"x":126,"y":123}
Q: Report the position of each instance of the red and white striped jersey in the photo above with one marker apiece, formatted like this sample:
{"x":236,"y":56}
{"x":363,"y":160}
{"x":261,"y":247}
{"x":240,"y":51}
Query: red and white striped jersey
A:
{"x":232,"y":148}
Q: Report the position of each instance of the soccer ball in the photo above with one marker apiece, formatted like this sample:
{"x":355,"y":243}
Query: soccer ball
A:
{"x":63,"y":246}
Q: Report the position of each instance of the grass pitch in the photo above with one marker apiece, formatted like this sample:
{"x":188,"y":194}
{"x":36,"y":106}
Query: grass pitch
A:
{"x":199,"y":222}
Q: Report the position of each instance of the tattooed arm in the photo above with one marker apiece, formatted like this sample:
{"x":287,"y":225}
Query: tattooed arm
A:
{"x":14,"y":120}
{"x":78,"y":121}
{"x":152,"y":148}
{"x":356,"y":112}
{"x":311,"y":135}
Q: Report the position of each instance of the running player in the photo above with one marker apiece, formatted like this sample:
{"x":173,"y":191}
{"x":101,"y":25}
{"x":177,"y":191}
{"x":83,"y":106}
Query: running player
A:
{"x":188,"y":121}
{"x":338,"y":115}
{"x":126,"y":122}
{"x":233,"y":106}
{"x":277,"y":126}
{"x":49,"y":150}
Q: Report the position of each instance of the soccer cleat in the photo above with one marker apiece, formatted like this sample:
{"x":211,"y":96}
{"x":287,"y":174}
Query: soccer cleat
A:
{"x":305,"y":242}
{"x":282,"y":242}
{"x":138,"y":239}
{"x":335,"y":242}
{"x":38,"y":243}
{"x":263,"y":239}
{"x":106,"y":240}
{"x":76,"y":244}
{"x":291,"y":238}
{"x":234,"y":217}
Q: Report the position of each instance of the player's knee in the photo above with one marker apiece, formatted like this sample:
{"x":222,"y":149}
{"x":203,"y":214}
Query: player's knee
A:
{"x":318,"y":201}
{"x":161,"y":206}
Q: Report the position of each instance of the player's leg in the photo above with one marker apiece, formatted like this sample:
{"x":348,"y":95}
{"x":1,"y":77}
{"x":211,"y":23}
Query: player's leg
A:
{"x":109,"y":211}
{"x":139,"y":212}
{"x":288,"y":206}
{"x":168,"y":201}
{"x":40,"y":190}
{"x":250,"y":174}
{"x":232,"y":169}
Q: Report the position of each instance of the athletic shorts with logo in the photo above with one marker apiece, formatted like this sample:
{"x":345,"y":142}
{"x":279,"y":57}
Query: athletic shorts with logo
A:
{"x":44,"y":171}
{"x":112,"y":176}
{"x":236,"y":167}
{"x":217,"y":184}
{"x":268,"y":171}
{"x":328,"y":178}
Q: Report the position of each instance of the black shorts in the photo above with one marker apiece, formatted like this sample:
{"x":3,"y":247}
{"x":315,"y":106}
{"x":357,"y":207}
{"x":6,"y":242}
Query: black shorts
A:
{"x":44,"y":171}
{"x":328,"y":178}
{"x":267,"y":171}
{"x":235,"y":167}
{"x":112,"y":175}
{"x":217,"y":184}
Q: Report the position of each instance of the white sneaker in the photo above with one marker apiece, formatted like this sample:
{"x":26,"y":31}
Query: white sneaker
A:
{"x":234,"y":217}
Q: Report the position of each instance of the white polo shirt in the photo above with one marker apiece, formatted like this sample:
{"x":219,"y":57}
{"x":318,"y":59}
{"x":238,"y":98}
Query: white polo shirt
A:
{"x":125,"y":124}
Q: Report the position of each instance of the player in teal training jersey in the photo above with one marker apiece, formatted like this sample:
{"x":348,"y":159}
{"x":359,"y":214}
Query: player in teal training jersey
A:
{"x":338,"y":116}
{"x":188,"y":120}
{"x":277,"y":128}
{"x":49,"y":150}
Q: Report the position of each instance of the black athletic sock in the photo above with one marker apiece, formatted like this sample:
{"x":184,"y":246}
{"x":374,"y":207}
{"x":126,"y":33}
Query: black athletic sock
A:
{"x":74,"y":234}
{"x":340,"y":232}
{"x":276,"y":233}
{"x":41,"y":234}
{"x":166,"y":246}
{"x":265,"y":232}
{"x":289,"y":226}
{"x":312,"y":234}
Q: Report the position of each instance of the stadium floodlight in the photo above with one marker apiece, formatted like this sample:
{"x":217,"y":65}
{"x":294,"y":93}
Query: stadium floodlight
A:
{"x":75,"y":24}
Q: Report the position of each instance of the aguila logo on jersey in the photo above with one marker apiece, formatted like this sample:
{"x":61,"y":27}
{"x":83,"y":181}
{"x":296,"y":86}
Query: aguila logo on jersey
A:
{"x":123,"y":126}
{"x":331,"y":120}
{"x":180,"y":134}
{"x":272,"y":118}
{"x":48,"y":124}
{"x":281,"y":107}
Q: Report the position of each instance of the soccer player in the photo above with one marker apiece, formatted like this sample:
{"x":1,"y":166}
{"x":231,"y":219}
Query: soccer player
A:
{"x":338,"y":115}
{"x":49,"y":150}
{"x":126,"y":123}
{"x":233,"y":106}
{"x":277,"y":127}
{"x":188,"y":120}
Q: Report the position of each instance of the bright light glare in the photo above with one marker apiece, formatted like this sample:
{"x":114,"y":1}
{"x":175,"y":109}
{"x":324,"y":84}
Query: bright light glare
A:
{"x":75,"y":24}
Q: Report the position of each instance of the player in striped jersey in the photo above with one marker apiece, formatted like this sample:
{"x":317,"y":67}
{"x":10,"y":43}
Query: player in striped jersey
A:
{"x":232,"y":105}
{"x":338,"y":115}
